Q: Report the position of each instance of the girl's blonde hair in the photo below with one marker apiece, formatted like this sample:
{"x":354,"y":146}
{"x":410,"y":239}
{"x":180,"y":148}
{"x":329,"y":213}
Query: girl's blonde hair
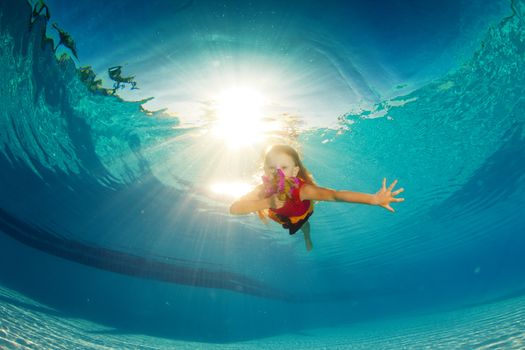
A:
{"x":304,"y":174}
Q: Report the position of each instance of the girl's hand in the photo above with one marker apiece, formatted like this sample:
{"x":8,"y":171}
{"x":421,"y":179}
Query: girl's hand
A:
{"x":385,"y":195}
{"x":275,"y":202}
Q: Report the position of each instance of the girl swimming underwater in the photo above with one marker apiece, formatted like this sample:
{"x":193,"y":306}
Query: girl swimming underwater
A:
{"x":288,"y":191}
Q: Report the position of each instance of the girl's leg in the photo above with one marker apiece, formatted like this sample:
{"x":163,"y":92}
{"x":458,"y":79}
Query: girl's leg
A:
{"x":306,"y":230}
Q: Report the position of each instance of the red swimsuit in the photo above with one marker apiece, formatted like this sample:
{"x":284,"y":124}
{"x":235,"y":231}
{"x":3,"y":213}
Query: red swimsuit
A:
{"x":294,"y":213}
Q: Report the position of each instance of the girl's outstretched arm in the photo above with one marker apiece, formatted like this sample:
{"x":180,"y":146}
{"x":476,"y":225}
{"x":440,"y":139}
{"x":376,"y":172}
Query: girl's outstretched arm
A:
{"x":382,"y":198}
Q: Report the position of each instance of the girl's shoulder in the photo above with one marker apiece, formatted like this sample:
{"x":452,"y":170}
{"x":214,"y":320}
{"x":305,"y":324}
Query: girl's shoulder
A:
{"x":307,"y":190}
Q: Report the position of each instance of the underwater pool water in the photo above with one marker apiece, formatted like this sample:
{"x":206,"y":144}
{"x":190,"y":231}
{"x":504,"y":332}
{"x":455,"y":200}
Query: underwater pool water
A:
{"x":112,"y":236}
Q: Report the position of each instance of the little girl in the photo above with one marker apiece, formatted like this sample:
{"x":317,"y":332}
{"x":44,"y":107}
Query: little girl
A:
{"x":291,"y":204}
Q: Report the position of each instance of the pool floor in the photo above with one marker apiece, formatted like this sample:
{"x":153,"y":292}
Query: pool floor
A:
{"x":27,"y":324}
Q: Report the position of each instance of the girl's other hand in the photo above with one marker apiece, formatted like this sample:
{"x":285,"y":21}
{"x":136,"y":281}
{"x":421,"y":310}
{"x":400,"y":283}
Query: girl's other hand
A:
{"x":385,"y":195}
{"x":275,"y":202}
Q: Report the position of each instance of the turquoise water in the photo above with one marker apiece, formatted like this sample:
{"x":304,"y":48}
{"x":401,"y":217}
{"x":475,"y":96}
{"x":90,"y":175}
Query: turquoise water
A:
{"x":112,"y":237}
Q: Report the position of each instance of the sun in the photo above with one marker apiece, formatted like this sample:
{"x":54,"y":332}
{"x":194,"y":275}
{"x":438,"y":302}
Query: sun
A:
{"x":239,"y":116}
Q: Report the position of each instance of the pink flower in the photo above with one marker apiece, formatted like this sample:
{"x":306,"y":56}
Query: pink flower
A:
{"x":280,"y":186}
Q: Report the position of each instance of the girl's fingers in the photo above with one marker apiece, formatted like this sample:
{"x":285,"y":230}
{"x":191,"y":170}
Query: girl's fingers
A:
{"x":384,"y":183}
{"x":392,"y":185}
{"x":399,"y":199}
{"x":395,"y":193}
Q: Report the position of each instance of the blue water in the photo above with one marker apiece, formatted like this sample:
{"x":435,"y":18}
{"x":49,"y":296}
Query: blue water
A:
{"x":111,"y":237}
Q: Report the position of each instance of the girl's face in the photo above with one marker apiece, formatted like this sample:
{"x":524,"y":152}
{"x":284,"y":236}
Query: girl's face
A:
{"x":281,"y":161}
